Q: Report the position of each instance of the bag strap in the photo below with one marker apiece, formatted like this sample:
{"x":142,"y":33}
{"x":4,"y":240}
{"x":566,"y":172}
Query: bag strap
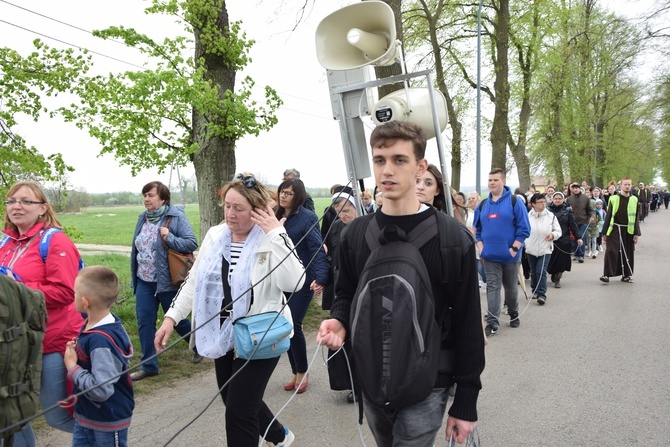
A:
{"x":45,"y":241}
{"x":167,"y":222}
{"x":109,"y":337}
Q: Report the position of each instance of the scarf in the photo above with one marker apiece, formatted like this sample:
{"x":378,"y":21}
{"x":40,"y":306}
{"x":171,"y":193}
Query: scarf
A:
{"x":155,"y":216}
{"x":214,"y":339}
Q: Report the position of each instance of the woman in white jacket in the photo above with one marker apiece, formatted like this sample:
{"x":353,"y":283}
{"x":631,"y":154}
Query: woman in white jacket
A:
{"x":544,"y":228}
{"x":250,"y":261}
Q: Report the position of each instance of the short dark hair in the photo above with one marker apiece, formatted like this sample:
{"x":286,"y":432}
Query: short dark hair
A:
{"x":162,"y":190}
{"x":537,"y":196}
{"x":498,"y":171}
{"x":299,"y":195}
{"x":385,"y":135}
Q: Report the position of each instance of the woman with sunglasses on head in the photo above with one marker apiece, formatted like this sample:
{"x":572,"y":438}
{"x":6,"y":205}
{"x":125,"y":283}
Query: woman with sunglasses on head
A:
{"x":243,"y":268}
{"x":161,"y":227}
{"x":303,"y":229}
{"x":28,"y":215}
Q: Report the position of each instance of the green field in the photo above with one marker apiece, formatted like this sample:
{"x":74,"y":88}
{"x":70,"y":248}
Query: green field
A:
{"x":115,"y":225}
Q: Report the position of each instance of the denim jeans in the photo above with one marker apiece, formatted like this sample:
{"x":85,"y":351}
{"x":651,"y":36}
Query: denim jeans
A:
{"x":500,"y":275}
{"x":298,"y":302}
{"x":146,"y":308}
{"x":86,"y":437}
{"x":415,"y":426}
{"x":52,"y":390}
{"x":579,"y":251}
{"x":481,"y":270}
{"x":538,"y":274}
{"x":247,"y":415}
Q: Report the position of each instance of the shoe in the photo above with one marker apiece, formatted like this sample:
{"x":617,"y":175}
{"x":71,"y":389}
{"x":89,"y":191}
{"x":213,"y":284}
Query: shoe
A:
{"x":290,"y":386}
{"x":574,"y":258}
{"x":302,"y":387}
{"x":534,"y":297}
{"x":350,"y":397}
{"x":288,"y":439}
{"x":580,"y":259}
{"x":594,"y":256}
{"x":604,"y":278}
{"x":490,"y":331}
{"x":540,"y":300}
{"x":141,"y":374}
{"x":197,"y":358}
{"x":557,"y":285}
{"x":600,"y":248}
{"x":587,"y":254}
{"x":514,"y":320}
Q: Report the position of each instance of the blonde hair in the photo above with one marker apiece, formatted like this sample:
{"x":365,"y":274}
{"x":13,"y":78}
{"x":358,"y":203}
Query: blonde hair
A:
{"x":49,"y":217}
{"x":99,"y":284}
{"x":257,"y":195}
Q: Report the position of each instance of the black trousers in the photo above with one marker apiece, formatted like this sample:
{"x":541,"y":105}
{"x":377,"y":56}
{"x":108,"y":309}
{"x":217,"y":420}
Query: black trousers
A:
{"x":247,"y":416}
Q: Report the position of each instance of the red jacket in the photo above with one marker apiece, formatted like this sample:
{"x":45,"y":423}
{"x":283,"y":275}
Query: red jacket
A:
{"x":54,"y":278}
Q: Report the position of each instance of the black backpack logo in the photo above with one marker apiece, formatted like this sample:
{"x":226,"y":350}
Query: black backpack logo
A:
{"x":395,"y":337}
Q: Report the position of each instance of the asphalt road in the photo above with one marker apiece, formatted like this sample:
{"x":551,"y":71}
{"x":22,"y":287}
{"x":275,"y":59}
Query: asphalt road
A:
{"x":590,"y":368}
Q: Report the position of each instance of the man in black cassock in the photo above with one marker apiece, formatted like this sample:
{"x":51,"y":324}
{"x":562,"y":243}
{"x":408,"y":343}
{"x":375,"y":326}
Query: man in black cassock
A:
{"x":621,"y":231}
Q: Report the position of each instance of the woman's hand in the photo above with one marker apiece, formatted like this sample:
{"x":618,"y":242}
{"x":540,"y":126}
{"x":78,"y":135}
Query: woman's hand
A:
{"x":266,"y":219}
{"x":164,"y":232}
{"x":316,"y":287}
{"x":163,"y":334}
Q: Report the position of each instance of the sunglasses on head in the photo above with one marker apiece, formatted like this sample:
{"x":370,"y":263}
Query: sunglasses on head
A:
{"x":248,"y":181}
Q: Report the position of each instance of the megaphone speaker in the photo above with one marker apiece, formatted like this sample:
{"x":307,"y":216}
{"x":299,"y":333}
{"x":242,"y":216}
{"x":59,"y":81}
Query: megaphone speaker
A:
{"x":413,"y":106}
{"x":357,"y":35}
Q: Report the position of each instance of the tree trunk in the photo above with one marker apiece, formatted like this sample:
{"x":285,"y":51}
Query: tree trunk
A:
{"x":214,"y":161}
{"x":501,"y":87}
{"x":395,"y":69}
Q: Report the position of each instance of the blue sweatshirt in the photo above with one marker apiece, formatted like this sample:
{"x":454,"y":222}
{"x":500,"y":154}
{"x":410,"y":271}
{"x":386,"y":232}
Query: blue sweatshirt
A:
{"x":499,"y":224}
{"x":103,"y":352}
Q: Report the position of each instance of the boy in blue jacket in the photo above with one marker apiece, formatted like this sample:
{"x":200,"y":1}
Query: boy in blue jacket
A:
{"x":96,"y":362}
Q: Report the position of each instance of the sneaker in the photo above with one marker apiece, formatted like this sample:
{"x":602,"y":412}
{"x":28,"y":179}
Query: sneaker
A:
{"x":514,"y":320}
{"x":557,"y":285}
{"x":588,"y":254}
{"x":197,"y":358}
{"x":580,"y":259}
{"x":490,"y":331}
{"x":288,"y":439}
{"x":541,"y":300}
{"x":600,"y":248}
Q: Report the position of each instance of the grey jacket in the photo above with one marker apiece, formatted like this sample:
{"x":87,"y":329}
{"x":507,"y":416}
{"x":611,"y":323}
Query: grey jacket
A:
{"x":181,"y":238}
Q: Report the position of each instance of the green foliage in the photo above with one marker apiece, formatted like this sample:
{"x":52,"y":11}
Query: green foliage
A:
{"x":144,"y":118}
{"x":25,"y":81}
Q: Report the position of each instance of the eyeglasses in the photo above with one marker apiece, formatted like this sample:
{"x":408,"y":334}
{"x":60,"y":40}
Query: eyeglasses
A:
{"x":23,"y":202}
{"x":249,"y":181}
{"x":286,"y":193}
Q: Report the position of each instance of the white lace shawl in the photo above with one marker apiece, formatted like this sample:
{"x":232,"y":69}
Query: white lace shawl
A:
{"x":213,"y":339}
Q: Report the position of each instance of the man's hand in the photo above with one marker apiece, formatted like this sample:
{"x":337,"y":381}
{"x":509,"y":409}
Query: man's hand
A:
{"x":461,"y":429}
{"x":635,"y":239}
{"x":331,"y":334}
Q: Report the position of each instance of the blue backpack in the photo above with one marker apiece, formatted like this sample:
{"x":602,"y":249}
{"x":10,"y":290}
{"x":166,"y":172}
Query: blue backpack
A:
{"x":45,"y":240}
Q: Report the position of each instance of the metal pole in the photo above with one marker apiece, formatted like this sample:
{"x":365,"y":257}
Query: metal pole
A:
{"x":440,"y":146}
{"x":595,"y":153}
{"x":478,"y":186}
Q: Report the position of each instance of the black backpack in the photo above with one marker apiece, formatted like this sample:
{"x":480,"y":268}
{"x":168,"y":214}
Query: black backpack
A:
{"x":395,"y":336}
{"x":22,"y":325}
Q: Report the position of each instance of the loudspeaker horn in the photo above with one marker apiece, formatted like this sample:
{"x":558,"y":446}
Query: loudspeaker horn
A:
{"x":396,"y":107}
{"x":357,"y":35}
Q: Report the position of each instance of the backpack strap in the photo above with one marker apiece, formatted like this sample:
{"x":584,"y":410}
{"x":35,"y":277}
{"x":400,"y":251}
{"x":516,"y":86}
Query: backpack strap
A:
{"x":481,"y":205}
{"x":110,"y":338}
{"x":4,"y":240}
{"x":451,"y":247}
{"x":371,"y":233}
{"x":45,"y":240}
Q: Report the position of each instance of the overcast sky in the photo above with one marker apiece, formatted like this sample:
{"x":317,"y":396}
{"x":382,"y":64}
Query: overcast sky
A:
{"x":306,"y":137}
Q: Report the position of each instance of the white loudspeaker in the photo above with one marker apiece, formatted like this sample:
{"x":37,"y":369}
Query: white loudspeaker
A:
{"x":412,"y":105}
{"x":357,"y":35}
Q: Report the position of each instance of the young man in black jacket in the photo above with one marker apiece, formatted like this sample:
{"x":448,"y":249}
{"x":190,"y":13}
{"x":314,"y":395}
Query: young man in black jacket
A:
{"x":398,"y":158}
